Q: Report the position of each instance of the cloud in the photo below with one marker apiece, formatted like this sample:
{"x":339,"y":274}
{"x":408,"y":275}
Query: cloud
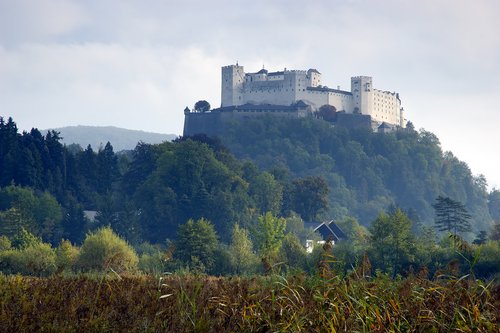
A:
{"x":141,"y":88}
{"x":36,"y":20}
{"x":138,"y":64}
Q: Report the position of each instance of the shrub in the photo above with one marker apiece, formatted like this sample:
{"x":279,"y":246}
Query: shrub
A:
{"x":103,"y":249}
{"x":66,"y":256}
{"x":152,"y":263}
{"x":23,"y":239}
{"x":38,"y":259}
{"x":5,"y":243}
{"x":292,"y":252}
{"x":9,"y":261}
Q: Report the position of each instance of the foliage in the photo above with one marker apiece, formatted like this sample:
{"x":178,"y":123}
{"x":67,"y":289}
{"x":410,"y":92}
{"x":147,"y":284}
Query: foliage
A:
{"x":293,"y":252}
{"x":269,"y":234}
{"x":309,"y":197}
{"x":294,"y":165}
{"x":190,"y":182}
{"x":391,"y":242}
{"x":152,"y":263}
{"x":196,"y":243}
{"x":451,"y":216}
{"x":103,"y":250}
{"x":267,"y":193}
{"x":494,"y":204}
{"x":66,"y":256}
{"x":23,"y":239}
{"x":365,"y":171}
{"x":40,"y":214}
{"x":242,"y":258}
{"x":5,"y":243}
{"x":36,"y":259}
{"x":202,"y":106}
{"x":327,"y":112}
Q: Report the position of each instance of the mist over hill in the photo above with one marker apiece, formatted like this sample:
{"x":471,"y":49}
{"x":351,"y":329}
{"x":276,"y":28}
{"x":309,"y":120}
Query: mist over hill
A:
{"x":98,"y":136}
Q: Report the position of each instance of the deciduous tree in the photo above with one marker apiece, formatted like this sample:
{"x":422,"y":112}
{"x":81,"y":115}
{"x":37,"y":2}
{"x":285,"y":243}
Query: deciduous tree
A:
{"x":391,"y":242}
{"x":196,"y":243}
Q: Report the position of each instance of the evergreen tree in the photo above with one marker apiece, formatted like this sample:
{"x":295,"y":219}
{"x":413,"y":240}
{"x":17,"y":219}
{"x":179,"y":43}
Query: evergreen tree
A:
{"x":451,"y":216}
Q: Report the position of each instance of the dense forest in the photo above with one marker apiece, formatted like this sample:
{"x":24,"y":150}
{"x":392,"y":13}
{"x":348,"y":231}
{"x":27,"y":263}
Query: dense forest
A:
{"x":191,"y":204}
{"x":365,"y":171}
{"x":143,"y":194}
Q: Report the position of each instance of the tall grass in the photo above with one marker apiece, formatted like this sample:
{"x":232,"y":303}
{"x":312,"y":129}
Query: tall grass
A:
{"x":297,"y":303}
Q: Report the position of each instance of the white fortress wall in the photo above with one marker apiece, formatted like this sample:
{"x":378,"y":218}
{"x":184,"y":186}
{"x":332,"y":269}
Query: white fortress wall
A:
{"x":341,"y":101}
{"x":386,"y":107}
{"x":314,"y":98}
{"x":290,"y":86}
{"x":257,"y":89}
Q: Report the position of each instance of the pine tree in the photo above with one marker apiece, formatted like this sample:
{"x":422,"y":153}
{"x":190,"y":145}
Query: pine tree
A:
{"x":451,"y":216}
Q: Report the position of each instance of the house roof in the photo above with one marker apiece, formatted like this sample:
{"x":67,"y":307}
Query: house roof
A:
{"x":384,"y":125}
{"x":327,"y":229}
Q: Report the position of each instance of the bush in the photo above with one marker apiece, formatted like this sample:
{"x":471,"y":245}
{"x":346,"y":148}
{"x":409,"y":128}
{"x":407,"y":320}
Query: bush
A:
{"x":66,"y":256}
{"x":37,"y":259}
{"x":9,"y":261}
{"x":293,"y":253}
{"x":5,"y":243}
{"x":103,"y":250}
{"x":23,"y":239}
{"x":153,"y":264}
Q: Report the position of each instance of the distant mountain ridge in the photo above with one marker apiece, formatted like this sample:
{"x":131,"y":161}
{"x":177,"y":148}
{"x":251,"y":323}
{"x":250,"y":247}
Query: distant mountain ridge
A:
{"x":97,"y":136}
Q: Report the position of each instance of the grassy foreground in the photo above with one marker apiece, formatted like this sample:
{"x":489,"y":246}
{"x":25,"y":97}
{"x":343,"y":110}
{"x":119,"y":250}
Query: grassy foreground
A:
{"x":260,"y":304}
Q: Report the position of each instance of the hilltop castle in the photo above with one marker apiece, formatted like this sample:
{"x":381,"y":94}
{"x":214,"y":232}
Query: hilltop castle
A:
{"x":297,"y":93}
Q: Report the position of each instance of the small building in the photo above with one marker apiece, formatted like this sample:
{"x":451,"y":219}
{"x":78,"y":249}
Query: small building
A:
{"x":328,"y":230}
{"x":90,"y":215}
{"x":385,"y":128}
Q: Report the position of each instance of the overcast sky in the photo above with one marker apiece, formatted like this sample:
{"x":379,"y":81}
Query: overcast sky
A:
{"x":138,"y":64}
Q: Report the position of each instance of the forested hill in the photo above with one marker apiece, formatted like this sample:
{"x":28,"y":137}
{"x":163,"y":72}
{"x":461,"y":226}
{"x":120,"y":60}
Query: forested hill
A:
{"x":367,"y":172}
{"x":97,"y":136}
{"x":303,"y":166}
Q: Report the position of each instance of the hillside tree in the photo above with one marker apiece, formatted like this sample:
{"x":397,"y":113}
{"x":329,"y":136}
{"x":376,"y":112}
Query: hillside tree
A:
{"x":451,"y":216}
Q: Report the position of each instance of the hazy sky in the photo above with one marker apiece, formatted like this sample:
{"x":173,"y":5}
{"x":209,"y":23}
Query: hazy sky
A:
{"x":138,"y":64}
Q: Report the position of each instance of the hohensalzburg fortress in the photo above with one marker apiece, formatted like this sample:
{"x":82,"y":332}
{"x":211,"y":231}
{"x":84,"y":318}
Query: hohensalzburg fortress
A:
{"x":291,"y":86}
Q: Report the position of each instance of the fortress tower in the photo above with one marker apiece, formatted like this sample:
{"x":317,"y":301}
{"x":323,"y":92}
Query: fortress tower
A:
{"x":362,"y":94}
{"x":233,"y":77}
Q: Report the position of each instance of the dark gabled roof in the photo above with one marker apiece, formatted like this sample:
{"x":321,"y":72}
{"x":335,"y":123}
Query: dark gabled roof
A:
{"x":275,"y":73}
{"x":385,"y":125}
{"x":313,"y":70}
{"x":300,"y":104}
{"x":327,"y":229}
{"x":262,"y":71}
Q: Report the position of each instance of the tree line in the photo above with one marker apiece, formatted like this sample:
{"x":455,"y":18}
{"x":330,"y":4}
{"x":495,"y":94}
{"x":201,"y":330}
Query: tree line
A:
{"x":191,"y":204}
